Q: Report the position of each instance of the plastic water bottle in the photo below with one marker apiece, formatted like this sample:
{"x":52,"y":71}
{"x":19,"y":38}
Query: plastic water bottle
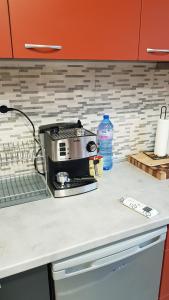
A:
{"x":105,"y":137}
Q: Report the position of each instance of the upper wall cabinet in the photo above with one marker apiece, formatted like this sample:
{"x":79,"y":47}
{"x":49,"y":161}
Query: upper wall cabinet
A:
{"x":75,"y":29}
{"x":154,"y":39}
{"x":5,"y":39}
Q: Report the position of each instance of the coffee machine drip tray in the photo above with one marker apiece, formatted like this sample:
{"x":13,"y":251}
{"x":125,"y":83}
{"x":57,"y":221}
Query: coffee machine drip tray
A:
{"x":73,"y":188}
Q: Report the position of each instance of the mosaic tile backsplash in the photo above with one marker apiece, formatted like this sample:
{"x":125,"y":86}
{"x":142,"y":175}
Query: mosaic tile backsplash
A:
{"x":131,"y":93}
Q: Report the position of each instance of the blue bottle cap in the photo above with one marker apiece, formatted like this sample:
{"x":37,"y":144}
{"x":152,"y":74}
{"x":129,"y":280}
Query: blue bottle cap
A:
{"x":106,"y":117}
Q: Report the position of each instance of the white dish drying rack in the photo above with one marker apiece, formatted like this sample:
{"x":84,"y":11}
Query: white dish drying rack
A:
{"x":19,"y":181}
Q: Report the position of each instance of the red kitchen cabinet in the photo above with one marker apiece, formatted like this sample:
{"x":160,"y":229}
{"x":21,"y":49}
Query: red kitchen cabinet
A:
{"x":167,"y":240}
{"x":154,"y":41}
{"x":5,"y":39}
{"x":98,"y":30}
{"x":164,"y":288}
{"x":165,"y":298}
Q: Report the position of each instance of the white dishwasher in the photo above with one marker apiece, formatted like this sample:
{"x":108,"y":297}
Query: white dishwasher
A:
{"x":127,"y":270}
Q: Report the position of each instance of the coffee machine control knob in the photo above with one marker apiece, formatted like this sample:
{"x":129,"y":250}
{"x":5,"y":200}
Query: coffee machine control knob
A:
{"x":91,"y":146}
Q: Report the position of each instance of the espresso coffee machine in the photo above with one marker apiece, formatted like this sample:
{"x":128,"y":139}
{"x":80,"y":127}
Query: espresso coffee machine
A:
{"x":67,"y":148}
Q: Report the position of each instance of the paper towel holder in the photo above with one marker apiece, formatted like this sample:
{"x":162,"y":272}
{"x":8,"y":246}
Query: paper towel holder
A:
{"x":163,"y":111}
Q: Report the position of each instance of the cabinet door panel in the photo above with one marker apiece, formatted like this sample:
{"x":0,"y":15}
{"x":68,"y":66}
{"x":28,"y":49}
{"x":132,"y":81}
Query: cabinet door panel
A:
{"x":164,"y":289}
{"x":154,"y":30}
{"x":5,"y":39}
{"x":85,"y":29}
{"x":167,"y":240}
{"x":165,"y":298}
{"x":29,"y":285}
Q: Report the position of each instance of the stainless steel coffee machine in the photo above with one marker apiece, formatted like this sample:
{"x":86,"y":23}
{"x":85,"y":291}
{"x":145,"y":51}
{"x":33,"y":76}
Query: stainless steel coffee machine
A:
{"x":67,"y":148}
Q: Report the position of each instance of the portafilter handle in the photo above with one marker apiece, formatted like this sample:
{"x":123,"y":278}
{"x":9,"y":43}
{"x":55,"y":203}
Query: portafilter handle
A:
{"x":62,"y":177}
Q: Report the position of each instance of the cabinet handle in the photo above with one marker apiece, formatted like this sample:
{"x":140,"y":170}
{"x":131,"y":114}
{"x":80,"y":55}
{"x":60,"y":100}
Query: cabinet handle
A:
{"x":150,"y":50}
{"x":32,"y":46}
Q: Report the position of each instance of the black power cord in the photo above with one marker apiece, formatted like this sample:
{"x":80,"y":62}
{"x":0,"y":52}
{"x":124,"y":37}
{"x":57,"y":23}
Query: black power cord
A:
{"x":4,"y":109}
{"x":35,"y":162}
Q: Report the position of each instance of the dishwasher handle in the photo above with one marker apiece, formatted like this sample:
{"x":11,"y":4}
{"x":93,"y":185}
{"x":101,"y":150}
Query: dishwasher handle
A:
{"x":108,"y":260}
{"x":129,"y":252}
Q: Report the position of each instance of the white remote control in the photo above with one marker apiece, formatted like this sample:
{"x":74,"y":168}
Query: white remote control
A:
{"x":139,"y":207}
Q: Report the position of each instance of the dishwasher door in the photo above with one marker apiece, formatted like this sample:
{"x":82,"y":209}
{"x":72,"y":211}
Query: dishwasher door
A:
{"x":129,"y":270}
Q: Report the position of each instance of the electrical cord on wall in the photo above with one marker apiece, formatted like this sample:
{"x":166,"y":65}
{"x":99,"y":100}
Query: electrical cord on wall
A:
{"x":35,"y":162}
{"x":4,"y":109}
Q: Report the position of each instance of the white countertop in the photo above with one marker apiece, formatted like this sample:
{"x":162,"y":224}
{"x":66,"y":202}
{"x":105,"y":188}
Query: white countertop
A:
{"x":40,"y":232}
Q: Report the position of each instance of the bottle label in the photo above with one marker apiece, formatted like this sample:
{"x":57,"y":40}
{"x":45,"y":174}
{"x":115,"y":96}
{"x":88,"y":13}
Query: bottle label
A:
{"x":105,"y":135}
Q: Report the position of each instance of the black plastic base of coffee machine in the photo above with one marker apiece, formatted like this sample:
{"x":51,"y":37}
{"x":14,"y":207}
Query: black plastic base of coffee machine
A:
{"x":77,"y":169}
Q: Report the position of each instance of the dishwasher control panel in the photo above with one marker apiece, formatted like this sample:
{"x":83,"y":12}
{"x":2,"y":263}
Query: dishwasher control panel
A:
{"x":139,"y":207}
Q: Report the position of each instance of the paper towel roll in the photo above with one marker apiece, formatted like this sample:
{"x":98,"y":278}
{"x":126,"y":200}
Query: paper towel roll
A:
{"x":161,"y":140}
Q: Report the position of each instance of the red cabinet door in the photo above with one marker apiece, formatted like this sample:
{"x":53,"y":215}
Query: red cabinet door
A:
{"x":154,"y":41}
{"x":164,"y":288}
{"x":164,"y":285}
{"x":85,"y":29}
{"x":5,"y":39}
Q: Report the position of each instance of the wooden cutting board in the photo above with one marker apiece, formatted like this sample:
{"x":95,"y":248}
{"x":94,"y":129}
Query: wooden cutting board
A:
{"x":145,"y":163}
{"x":148,"y":161}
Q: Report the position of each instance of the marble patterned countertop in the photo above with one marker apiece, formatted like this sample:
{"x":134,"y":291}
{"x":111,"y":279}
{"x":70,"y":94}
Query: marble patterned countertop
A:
{"x":44,"y":231}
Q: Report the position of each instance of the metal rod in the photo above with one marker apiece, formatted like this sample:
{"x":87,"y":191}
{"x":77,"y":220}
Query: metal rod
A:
{"x":163,"y":110}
